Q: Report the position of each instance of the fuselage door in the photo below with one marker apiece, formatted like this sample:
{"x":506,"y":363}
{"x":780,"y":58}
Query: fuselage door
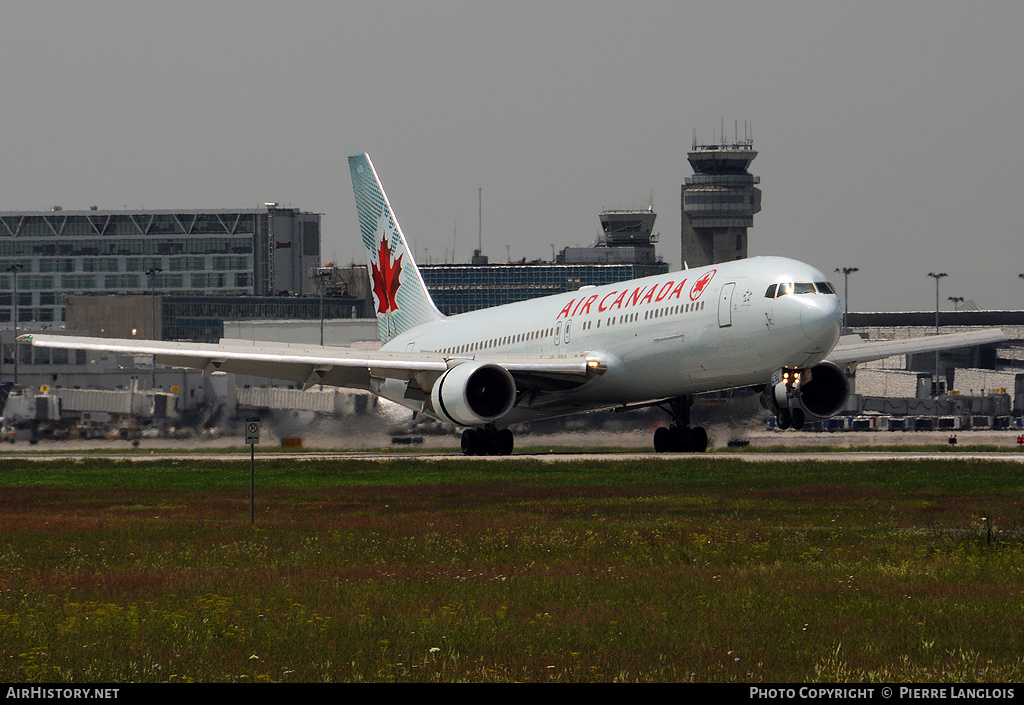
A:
{"x":725,"y":305}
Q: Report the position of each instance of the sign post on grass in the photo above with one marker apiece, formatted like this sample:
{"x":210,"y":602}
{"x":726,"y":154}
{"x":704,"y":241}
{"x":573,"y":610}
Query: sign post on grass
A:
{"x":252,"y":437}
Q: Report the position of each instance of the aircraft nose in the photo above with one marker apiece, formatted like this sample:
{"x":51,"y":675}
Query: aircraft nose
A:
{"x":821,"y":320}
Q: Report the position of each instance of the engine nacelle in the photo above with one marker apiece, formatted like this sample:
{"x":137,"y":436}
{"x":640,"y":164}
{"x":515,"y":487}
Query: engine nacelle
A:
{"x":818,"y":393}
{"x":473,"y":394}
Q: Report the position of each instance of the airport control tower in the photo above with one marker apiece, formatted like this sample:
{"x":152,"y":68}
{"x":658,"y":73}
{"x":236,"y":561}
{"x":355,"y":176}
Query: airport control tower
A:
{"x":627,"y":237}
{"x":718,"y":202}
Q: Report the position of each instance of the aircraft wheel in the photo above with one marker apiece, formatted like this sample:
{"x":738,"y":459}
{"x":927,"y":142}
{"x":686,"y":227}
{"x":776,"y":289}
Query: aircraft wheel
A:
{"x":698,"y":440}
{"x":682,"y":439}
{"x":783,"y":419}
{"x":470,"y":442}
{"x":662,"y":440}
{"x":798,"y":419}
{"x":506,"y":441}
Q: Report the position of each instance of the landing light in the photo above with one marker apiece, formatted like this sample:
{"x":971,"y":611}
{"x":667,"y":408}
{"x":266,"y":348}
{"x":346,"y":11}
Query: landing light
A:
{"x":792,"y":376}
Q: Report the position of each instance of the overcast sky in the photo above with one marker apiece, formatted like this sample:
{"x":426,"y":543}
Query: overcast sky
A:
{"x":889,"y":134}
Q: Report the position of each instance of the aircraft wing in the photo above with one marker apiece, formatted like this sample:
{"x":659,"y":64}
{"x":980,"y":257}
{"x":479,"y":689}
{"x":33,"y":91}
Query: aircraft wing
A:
{"x":850,"y":351}
{"x":334,"y":366}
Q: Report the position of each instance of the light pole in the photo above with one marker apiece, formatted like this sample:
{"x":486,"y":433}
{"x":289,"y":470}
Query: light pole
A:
{"x":957,"y":300}
{"x":847,"y":271}
{"x":151,"y":273}
{"x":323,"y":276}
{"x":13,"y":269}
{"x":937,"y":277}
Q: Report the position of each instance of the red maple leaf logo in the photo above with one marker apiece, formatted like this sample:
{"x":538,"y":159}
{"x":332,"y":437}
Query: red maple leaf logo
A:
{"x":700,"y":285}
{"x":385,"y":279}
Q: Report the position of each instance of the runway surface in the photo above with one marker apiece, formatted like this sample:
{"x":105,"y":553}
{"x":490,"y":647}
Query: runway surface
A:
{"x":808,"y":456}
{"x":773,"y":446}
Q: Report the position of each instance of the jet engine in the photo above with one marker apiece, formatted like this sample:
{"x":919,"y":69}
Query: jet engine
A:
{"x":801,"y":395}
{"x":473,"y":394}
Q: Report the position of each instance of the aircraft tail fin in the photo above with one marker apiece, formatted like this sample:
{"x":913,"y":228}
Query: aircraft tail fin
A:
{"x":401,"y":297}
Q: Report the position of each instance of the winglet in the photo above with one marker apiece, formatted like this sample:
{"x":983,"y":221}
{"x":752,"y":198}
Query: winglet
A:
{"x":401,"y":298}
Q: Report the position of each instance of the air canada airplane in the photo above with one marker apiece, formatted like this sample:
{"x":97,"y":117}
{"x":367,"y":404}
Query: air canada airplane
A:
{"x":766,"y":322}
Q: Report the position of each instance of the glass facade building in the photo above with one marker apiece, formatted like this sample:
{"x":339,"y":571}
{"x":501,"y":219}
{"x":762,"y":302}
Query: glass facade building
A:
{"x":47,"y":256}
{"x":458,"y":288}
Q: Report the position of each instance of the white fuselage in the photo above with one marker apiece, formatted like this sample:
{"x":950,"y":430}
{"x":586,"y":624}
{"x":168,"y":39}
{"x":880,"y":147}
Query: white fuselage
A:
{"x":671,"y":335}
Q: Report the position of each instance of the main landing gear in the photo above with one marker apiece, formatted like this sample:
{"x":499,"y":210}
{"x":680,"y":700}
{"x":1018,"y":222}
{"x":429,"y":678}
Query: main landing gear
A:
{"x":679,"y":437}
{"x":487,"y":440}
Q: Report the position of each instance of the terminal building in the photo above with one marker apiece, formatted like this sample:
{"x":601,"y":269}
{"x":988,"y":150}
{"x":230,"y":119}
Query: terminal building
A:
{"x":625,"y":250}
{"x":979,"y":386}
{"x":196,"y":318}
{"x":47,"y":256}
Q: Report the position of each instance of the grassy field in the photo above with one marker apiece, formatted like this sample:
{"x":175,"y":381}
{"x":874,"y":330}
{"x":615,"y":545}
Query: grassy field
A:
{"x":674,"y":569}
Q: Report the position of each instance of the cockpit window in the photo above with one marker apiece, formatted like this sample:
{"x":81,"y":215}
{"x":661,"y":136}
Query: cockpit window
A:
{"x":786,"y":288}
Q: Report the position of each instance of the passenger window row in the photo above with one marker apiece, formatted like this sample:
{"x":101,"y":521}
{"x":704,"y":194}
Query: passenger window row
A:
{"x":498,"y":342}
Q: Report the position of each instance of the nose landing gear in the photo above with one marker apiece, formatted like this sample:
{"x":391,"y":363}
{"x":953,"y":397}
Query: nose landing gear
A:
{"x":787,"y":418}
